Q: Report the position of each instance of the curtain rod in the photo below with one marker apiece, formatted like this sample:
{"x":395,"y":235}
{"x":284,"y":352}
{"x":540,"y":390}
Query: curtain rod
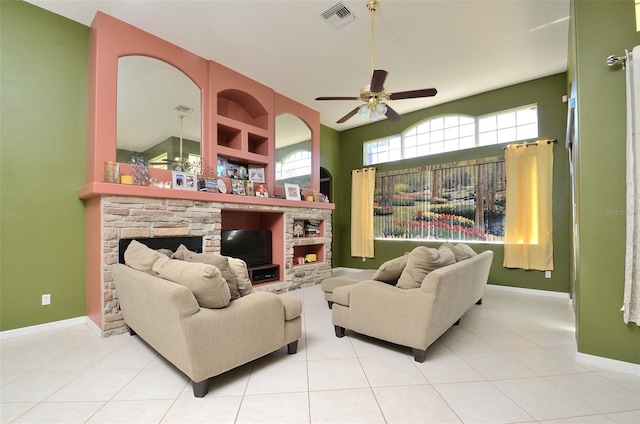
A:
{"x":534,"y":143}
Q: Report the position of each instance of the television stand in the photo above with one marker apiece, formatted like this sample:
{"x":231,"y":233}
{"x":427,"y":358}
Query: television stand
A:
{"x":264,"y":273}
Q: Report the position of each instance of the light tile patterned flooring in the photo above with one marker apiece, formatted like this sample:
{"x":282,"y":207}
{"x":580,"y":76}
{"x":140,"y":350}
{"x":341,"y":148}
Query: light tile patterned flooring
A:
{"x":510,"y":361}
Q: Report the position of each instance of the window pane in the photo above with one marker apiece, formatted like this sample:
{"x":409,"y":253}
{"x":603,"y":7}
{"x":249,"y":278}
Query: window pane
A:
{"x":450,"y":121}
{"x":466,"y":120}
{"x":437,"y":136}
{"x":506,"y":120}
{"x":506,"y":135}
{"x":527,"y":116}
{"x":527,"y":131}
{"x":451,"y":133}
{"x":409,"y":141}
{"x":467,"y":130}
{"x":437,"y":124}
{"x":437,"y":148}
{"x":410,"y":152}
{"x":423,"y":139}
{"x":467,"y":142}
{"x":488,"y":138}
{"x":487,"y":124}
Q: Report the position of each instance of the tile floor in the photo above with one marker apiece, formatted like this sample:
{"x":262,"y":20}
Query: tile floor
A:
{"x":510,"y":361}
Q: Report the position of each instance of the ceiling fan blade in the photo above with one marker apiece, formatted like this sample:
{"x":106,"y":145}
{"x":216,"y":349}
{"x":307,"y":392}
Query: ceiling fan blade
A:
{"x":413,"y":94}
{"x":348,"y":115}
{"x":337,"y":98}
{"x":377,"y":80}
{"x":392,"y":114}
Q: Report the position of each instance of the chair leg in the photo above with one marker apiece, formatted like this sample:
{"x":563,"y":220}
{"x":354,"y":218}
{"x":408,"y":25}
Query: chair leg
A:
{"x":330,"y":303}
{"x":419,"y":355}
{"x":292,"y":347}
{"x":340,"y":331}
{"x":457,"y":322}
{"x":200,"y":389}
{"x":479,"y":302}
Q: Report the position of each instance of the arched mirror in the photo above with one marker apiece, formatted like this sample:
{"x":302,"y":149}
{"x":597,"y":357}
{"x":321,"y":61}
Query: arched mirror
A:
{"x":158,"y":114}
{"x":293,"y":151}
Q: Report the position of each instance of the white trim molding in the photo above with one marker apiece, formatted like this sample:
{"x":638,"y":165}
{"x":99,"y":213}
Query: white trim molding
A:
{"x":608,"y":364}
{"x":35,"y":329}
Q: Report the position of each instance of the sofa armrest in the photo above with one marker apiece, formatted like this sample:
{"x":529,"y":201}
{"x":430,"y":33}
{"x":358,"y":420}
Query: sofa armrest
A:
{"x":385,"y":312}
{"x":292,"y":307}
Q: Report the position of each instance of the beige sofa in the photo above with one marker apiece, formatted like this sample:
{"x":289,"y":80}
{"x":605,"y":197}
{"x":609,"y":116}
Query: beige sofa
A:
{"x":204,"y":342}
{"x":413,"y":317}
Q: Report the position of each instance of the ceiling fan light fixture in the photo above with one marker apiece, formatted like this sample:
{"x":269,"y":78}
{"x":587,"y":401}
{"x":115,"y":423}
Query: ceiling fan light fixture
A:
{"x":381,"y":109}
{"x":364,"y":109}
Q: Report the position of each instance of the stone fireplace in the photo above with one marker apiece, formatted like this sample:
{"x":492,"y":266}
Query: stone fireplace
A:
{"x":125,"y":217}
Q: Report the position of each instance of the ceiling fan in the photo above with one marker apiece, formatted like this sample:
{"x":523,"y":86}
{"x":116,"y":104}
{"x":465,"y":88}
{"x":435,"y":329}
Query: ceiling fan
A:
{"x":373,"y":95}
{"x":180,"y":163}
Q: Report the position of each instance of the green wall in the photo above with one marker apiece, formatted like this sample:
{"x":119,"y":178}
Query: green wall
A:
{"x":43,"y":60}
{"x":599,"y":29}
{"x":552,"y":112}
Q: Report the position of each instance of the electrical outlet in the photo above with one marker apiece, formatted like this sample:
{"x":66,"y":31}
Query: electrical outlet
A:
{"x":547,"y":274}
{"x":46,"y":299}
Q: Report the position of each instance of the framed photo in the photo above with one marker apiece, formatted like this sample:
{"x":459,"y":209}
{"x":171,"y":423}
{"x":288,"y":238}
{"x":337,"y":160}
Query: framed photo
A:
{"x":256,"y":173}
{"x":237,"y":186}
{"x":261,"y":190}
{"x":292,"y":191}
{"x":184,"y":180}
{"x":250,"y":189}
{"x":222,"y":166}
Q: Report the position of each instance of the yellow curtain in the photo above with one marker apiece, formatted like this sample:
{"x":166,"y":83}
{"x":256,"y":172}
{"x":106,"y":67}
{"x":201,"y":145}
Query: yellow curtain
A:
{"x":362,"y":186}
{"x":529,"y":227}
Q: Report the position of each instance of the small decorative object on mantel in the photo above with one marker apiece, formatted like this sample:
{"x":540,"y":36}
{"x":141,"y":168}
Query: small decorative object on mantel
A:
{"x":298,"y":228}
{"x":184,"y":180}
{"x":292,"y":191}
{"x":208,"y":181}
{"x":139,"y":171}
{"x":111,"y":172}
{"x":261,"y":190}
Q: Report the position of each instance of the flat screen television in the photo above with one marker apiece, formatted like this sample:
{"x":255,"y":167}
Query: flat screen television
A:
{"x":252,"y":246}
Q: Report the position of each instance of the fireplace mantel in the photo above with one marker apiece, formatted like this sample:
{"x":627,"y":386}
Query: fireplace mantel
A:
{"x":98,"y":189}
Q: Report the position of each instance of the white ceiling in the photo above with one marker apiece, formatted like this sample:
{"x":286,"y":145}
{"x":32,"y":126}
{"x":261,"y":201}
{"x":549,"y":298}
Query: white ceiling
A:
{"x":460,"y":47}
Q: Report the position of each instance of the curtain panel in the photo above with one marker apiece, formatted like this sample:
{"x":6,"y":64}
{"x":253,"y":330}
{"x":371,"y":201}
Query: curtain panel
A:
{"x":631,"y":306}
{"x":362,"y":188}
{"x":529,"y":221}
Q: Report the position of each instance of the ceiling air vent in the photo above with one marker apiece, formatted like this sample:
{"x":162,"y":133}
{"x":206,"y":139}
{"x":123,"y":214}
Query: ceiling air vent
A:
{"x":338,"y":16}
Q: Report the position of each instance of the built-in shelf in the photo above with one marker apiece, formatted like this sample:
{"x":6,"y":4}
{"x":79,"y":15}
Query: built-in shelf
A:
{"x":264,"y":273}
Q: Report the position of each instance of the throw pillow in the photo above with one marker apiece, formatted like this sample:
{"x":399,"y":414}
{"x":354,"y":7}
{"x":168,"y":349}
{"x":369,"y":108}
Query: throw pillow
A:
{"x":140,"y":257}
{"x":422,"y":260}
{"x":204,"y":281}
{"x":390,"y":271}
{"x":166,"y":252}
{"x":239,"y":268}
{"x":219,"y":261}
{"x":461,"y":251}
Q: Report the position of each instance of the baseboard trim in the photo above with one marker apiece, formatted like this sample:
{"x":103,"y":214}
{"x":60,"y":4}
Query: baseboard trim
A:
{"x":534,"y":292}
{"x":34,"y":329}
{"x":608,"y":364}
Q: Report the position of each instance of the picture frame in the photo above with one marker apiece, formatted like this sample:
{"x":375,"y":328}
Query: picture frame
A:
{"x":256,"y":173}
{"x":292,"y":191}
{"x":184,"y":180}
{"x":250,"y":189}
{"x":222,"y":166}
{"x":261,"y":190}
{"x":237,"y":186}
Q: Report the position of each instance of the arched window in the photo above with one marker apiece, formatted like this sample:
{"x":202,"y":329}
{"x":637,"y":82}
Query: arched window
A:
{"x":294,"y":164}
{"x":449,"y":133}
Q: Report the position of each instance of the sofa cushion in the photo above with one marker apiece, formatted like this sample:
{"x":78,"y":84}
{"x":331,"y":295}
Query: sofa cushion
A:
{"x":239,"y":268}
{"x":204,"y":280}
{"x":141,"y":257}
{"x":422,"y":260}
{"x":219,"y":261}
{"x":390,"y":271}
{"x":461,"y":251}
